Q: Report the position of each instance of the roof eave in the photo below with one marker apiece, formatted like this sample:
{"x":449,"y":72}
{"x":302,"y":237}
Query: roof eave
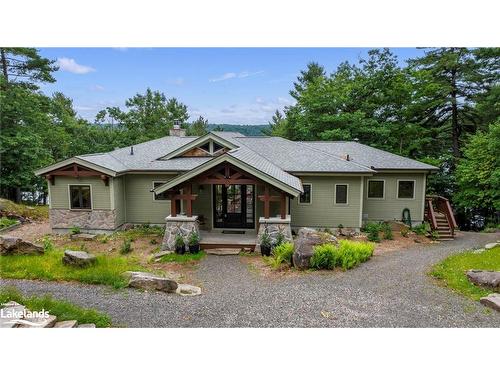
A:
{"x":76,"y":160}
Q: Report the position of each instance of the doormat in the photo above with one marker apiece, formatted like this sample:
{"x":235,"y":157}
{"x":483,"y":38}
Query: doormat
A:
{"x":233,"y":232}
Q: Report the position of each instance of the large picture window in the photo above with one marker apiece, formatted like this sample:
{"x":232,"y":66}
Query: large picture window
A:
{"x":376,"y":189}
{"x":406,"y":189}
{"x":80,"y":197}
{"x":306,"y":196}
{"x":341,"y":193}
{"x":162,"y":196}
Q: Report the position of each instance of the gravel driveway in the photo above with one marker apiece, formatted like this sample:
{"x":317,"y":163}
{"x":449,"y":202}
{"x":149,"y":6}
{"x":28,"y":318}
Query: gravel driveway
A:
{"x":391,"y":290}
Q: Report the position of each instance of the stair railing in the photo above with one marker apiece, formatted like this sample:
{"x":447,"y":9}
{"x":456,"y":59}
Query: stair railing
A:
{"x":442,"y":205}
{"x":430,"y":214}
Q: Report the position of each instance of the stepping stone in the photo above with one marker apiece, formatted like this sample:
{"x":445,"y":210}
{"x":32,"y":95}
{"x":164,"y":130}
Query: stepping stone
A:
{"x":491,"y":245}
{"x":146,"y":281}
{"x":83,"y":236}
{"x":88,"y":325}
{"x":231,"y":251}
{"x":39,"y":322}
{"x":492,"y":301}
{"x":78,"y":258}
{"x":10,"y":312}
{"x":158,"y":255}
{"x":66,"y":324}
{"x":485,"y":279}
{"x":188,"y":290}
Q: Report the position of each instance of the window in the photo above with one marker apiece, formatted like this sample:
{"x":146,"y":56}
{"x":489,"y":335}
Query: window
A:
{"x":406,"y":189}
{"x":80,"y":197}
{"x":306,"y":196}
{"x":162,"y":196}
{"x":376,"y":189}
{"x":341,"y":194}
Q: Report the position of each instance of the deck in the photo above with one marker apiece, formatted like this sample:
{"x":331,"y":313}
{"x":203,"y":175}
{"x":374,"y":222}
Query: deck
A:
{"x":218,"y":240}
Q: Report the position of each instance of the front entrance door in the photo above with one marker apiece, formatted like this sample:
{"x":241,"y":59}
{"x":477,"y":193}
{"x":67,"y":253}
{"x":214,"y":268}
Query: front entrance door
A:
{"x":234,"y":206}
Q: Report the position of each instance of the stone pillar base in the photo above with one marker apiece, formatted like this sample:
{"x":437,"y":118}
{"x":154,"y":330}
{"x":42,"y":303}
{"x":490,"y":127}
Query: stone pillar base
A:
{"x":179,"y":224}
{"x":274,"y":225}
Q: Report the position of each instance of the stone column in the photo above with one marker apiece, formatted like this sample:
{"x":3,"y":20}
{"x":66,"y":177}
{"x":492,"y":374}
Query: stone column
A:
{"x":179,"y":224}
{"x":274,"y":225}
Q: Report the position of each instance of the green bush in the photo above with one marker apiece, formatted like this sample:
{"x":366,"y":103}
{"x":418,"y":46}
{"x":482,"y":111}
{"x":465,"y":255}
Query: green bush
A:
{"x":434,"y":235}
{"x":75,"y":230}
{"x":126,"y":246}
{"x":420,"y":229}
{"x":194,"y":238}
{"x":387,"y":230}
{"x":373,"y":236}
{"x":372,"y":227}
{"x":47,"y":244}
{"x":281,"y":254}
{"x":347,"y":255}
{"x":324,"y":257}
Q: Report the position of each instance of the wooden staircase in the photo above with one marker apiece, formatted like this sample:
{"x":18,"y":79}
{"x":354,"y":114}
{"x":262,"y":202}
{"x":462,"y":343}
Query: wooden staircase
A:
{"x":440,"y":216}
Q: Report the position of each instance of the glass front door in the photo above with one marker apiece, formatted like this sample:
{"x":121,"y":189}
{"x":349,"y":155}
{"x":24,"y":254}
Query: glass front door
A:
{"x":234,"y":206}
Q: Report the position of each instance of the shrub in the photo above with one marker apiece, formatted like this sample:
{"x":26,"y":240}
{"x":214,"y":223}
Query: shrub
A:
{"x":352,"y":253}
{"x":420,"y":229}
{"x":280,"y":238}
{"x":265,"y":239}
{"x":179,"y":241}
{"x":404,"y":231}
{"x":372,"y":227}
{"x":194,"y":238}
{"x":387,"y":230}
{"x":47,"y":244}
{"x":281,"y":254}
{"x":324,"y":257}
{"x":75,"y":230}
{"x":373,"y":236}
{"x":434,"y":235}
{"x":126,"y":246}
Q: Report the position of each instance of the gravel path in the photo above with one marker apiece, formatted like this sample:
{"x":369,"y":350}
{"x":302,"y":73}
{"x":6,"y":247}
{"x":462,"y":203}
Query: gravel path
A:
{"x":391,"y":290}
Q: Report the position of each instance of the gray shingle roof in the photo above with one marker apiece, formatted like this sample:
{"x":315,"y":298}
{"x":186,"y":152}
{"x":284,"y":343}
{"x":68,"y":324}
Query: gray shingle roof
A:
{"x":368,"y":156}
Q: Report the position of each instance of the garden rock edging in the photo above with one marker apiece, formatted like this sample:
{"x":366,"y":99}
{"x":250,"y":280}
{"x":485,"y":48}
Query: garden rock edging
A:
{"x":485,"y":279}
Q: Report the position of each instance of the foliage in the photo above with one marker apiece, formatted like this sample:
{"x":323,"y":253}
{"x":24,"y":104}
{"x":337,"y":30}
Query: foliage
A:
{"x":198,"y":127}
{"x":182,"y":258}
{"x":48,"y":245}
{"x":6,"y":222}
{"x":179,"y":241}
{"x":478,"y":173}
{"x":140,"y":231}
{"x":387,"y":230}
{"x":420,"y":229}
{"x":265,"y":239}
{"x":373,"y":230}
{"x":194,"y":238}
{"x":280,"y":237}
{"x":126,"y":247}
{"x":434,"y":235}
{"x":75,"y":230}
{"x":281,"y":254}
{"x":452,"y":271}
{"x":64,"y":310}
{"x":347,"y":255}
{"x":404,"y":231}
{"x":108,"y":270}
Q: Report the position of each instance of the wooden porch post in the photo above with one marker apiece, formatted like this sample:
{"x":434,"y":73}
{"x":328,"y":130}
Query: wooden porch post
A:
{"x":283,"y":205}
{"x":189,"y":202}
{"x":173,"y":208}
{"x":266,"y":202}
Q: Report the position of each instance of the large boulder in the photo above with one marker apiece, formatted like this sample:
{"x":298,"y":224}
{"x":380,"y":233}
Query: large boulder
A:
{"x":304,"y":244}
{"x":14,"y":245}
{"x":146,"y":281}
{"x":485,"y":279}
{"x":78,"y":258}
{"x":492,"y":300}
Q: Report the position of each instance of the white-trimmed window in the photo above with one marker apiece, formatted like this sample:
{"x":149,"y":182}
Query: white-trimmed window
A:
{"x":306,"y":196}
{"x":406,"y":189}
{"x":80,"y":197}
{"x":341,"y":193}
{"x":162,"y":196}
{"x":376,"y":189}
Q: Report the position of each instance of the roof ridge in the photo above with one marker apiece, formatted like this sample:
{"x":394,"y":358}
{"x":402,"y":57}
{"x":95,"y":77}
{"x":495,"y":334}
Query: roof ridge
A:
{"x":390,"y":153}
{"x":329,"y":154}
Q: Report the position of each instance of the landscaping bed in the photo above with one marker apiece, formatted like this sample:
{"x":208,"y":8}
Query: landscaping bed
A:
{"x":451,"y":272}
{"x":62,"y":309}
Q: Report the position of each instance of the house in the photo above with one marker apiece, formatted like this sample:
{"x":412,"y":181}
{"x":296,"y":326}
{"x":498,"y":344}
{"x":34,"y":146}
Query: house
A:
{"x":226,"y":181}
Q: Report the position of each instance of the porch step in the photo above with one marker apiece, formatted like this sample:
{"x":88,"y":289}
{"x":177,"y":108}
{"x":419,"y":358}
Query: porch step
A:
{"x":222,"y":251}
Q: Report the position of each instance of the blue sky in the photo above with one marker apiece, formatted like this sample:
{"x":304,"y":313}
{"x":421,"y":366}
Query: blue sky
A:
{"x":224,"y":85}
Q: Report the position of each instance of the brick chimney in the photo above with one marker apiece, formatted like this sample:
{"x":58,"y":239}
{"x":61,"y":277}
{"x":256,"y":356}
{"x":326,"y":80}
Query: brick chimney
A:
{"x":176,"y":131}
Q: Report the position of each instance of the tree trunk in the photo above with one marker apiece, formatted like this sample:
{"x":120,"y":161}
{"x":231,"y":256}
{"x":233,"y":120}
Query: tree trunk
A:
{"x":3,"y":60}
{"x":455,"y":126}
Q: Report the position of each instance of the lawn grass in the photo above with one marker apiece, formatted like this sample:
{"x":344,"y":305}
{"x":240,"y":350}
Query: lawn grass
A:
{"x":108,"y":269}
{"x":451,"y":271}
{"x":62,"y":309}
{"x":32,"y":212}
{"x":182,"y":258}
{"x":6,"y":222}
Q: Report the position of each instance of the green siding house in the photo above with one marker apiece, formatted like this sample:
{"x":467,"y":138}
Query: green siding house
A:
{"x":225,"y":180}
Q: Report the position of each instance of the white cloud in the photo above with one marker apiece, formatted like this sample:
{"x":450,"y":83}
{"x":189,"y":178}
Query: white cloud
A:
{"x":97,"y":88}
{"x":232,"y":75}
{"x":179,"y":81}
{"x":70,"y":65}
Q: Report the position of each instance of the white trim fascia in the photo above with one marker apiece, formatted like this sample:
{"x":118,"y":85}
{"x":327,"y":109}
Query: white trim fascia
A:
{"x":414,"y":188}
{"x":368,"y":188}
{"x":361,"y":202}
{"x":75,"y":160}
{"x":335,"y":195}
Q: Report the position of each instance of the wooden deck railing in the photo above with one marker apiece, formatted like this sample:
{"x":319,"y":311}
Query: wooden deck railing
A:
{"x":443,"y":206}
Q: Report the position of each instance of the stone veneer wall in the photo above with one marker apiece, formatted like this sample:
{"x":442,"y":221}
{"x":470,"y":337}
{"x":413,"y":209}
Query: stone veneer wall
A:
{"x":182,"y":225}
{"x":274,"y":226}
{"x":85,"y":220}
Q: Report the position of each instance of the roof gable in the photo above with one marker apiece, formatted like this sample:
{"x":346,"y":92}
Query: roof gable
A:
{"x":197,"y":147}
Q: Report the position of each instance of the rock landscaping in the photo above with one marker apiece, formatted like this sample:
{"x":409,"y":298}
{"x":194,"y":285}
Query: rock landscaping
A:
{"x":83,"y":236}
{"x":307,"y":238}
{"x":147,"y":281}
{"x":15,"y":246}
{"x":491,"y":245}
{"x":78,"y":258}
{"x":15,"y":315}
{"x":188,"y":290}
{"x":492,"y":301}
{"x":485,"y":279}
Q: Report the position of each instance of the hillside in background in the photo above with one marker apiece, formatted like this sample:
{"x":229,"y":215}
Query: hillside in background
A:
{"x":249,"y":130}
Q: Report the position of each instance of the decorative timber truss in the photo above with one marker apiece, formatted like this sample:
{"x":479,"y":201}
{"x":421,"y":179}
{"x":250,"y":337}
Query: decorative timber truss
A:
{"x":75,"y":170}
